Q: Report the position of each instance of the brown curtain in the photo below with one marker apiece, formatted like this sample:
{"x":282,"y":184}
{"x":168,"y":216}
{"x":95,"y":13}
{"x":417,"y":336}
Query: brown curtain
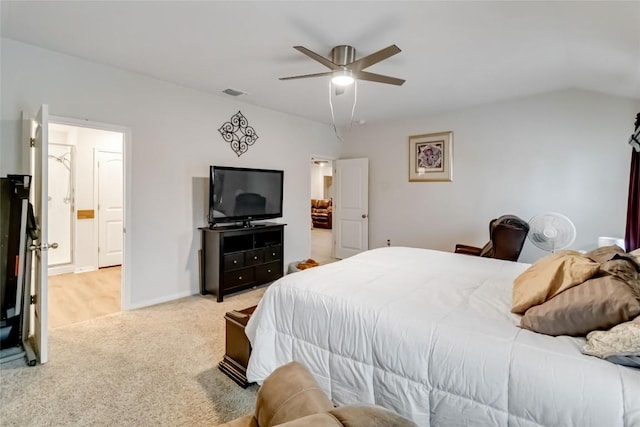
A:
{"x":632,"y":235}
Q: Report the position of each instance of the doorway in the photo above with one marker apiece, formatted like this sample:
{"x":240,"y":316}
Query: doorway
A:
{"x":322,"y":211}
{"x":85,"y":187}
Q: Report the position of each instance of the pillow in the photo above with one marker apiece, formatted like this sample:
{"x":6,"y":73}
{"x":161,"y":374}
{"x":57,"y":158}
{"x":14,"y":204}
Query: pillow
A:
{"x":625,"y":268}
{"x":604,"y":253}
{"x":549,"y":276}
{"x":599,"y":303}
{"x":620,"y":344}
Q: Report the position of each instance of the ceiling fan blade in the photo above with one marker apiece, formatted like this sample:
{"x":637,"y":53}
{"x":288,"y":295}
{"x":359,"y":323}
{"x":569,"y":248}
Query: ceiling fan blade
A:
{"x":374,"y":58}
{"x":379,"y":78}
{"x":305,"y":76}
{"x":321,"y":59}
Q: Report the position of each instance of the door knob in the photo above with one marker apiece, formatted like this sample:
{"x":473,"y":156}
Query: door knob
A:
{"x":43,"y":246}
{"x":364,"y":216}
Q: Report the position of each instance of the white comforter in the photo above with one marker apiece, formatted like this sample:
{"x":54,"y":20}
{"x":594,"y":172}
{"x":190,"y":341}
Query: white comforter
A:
{"x":430,"y":335}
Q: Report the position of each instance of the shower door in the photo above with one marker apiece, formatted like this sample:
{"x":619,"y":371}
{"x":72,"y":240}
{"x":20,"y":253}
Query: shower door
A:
{"x":61,"y":205}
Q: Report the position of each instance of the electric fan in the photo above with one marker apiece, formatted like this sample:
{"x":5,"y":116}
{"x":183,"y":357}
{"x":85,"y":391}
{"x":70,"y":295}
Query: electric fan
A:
{"x":551,"y":231}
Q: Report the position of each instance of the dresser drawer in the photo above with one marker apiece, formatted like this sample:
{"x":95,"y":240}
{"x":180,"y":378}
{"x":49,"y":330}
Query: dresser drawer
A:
{"x":239,"y":277}
{"x":254,"y":257}
{"x":269,"y":272}
{"x":233,"y":261}
{"x":272,"y":253}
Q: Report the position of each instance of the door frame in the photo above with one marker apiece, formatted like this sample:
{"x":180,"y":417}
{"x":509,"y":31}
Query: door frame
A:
{"x":333,"y":171}
{"x":126,"y":276}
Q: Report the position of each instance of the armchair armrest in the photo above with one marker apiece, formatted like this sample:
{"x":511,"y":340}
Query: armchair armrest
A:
{"x":467,"y":250}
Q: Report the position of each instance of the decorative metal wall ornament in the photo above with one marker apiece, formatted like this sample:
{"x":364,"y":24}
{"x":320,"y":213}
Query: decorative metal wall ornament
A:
{"x":238,"y":133}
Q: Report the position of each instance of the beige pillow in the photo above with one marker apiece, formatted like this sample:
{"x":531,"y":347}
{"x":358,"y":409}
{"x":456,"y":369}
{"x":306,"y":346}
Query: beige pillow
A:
{"x":549,"y":276}
{"x":625,"y":268}
{"x":599,"y":303}
{"x":604,"y":253}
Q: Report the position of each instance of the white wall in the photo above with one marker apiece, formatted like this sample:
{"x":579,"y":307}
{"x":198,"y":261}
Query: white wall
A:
{"x":174,"y":140}
{"x":565,"y":151}
{"x":318,"y":172}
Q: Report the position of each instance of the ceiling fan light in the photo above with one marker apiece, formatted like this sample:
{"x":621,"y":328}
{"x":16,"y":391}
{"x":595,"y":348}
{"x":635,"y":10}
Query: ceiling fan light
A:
{"x":342,"y":78}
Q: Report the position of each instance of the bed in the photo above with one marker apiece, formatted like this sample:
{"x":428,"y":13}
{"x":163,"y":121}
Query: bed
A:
{"x":430,"y":335}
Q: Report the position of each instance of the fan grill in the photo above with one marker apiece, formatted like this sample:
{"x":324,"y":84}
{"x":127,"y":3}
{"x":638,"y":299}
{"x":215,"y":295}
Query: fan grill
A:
{"x":551,"y":231}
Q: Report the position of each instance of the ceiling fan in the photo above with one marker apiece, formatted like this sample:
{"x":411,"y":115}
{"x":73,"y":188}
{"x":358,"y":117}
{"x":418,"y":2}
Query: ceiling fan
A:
{"x":345,"y":68}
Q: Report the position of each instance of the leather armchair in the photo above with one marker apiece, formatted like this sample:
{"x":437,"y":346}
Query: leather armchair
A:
{"x":506,"y":239}
{"x":291,"y":397}
{"x":321,"y":213}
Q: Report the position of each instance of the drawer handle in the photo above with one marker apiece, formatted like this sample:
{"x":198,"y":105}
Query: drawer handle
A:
{"x":269,"y":271}
{"x":239,"y":277}
{"x":255,"y":257}
{"x":273,"y":253}
{"x":235,"y":261}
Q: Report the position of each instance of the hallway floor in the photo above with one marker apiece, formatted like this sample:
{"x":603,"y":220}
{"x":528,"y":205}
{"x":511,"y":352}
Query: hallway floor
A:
{"x":321,"y":245}
{"x":78,"y":297}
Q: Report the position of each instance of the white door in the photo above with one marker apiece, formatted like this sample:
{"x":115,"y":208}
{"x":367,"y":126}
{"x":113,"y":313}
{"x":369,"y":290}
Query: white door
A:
{"x":351,"y":206}
{"x":110,"y":208}
{"x":39,"y":171}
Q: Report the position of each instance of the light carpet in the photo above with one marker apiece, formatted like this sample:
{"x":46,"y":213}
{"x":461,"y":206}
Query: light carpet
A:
{"x":155,"y":366}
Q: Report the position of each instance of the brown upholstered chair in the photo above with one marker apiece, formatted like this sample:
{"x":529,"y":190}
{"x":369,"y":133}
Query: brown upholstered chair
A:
{"x":506,"y":239}
{"x":321,"y":213}
{"x":291,"y":397}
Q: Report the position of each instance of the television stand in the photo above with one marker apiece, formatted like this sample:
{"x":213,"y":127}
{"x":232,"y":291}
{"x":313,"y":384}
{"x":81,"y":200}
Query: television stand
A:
{"x":234,"y":259}
{"x":249,"y":224}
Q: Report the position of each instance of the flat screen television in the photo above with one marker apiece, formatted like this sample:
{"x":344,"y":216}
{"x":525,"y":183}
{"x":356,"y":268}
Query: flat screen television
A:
{"x":244,"y":195}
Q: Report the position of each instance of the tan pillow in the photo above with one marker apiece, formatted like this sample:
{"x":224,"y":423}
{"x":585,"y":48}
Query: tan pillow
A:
{"x":625,"y":268}
{"x":604,"y":253}
{"x":599,"y":303}
{"x":549,"y":276}
{"x":369,"y":416}
{"x":288,"y":393}
{"x":352,"y":416}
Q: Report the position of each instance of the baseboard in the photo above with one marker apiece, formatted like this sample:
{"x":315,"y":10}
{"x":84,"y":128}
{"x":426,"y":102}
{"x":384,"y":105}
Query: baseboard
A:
{"x":85,"y":269}
{"x":160,"y":300}
{"x":61,"y":269}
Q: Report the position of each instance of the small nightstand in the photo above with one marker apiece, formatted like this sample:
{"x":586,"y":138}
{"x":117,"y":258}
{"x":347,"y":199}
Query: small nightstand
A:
{"x":237,"y":346}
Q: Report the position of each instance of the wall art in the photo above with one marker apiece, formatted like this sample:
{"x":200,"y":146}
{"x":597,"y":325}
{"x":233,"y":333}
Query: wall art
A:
{"x":238,"y":133}
{"x":431,"y":157}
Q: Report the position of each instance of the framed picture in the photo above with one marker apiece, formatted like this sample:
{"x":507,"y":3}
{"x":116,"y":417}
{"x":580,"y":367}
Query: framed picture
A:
{"x":431,"y":157}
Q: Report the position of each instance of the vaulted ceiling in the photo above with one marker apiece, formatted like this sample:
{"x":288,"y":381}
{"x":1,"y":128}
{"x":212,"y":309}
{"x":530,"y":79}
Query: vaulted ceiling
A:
{"x":454,"y":54}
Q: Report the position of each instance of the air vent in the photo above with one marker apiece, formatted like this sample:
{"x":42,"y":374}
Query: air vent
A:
{"x":234,"y":92}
